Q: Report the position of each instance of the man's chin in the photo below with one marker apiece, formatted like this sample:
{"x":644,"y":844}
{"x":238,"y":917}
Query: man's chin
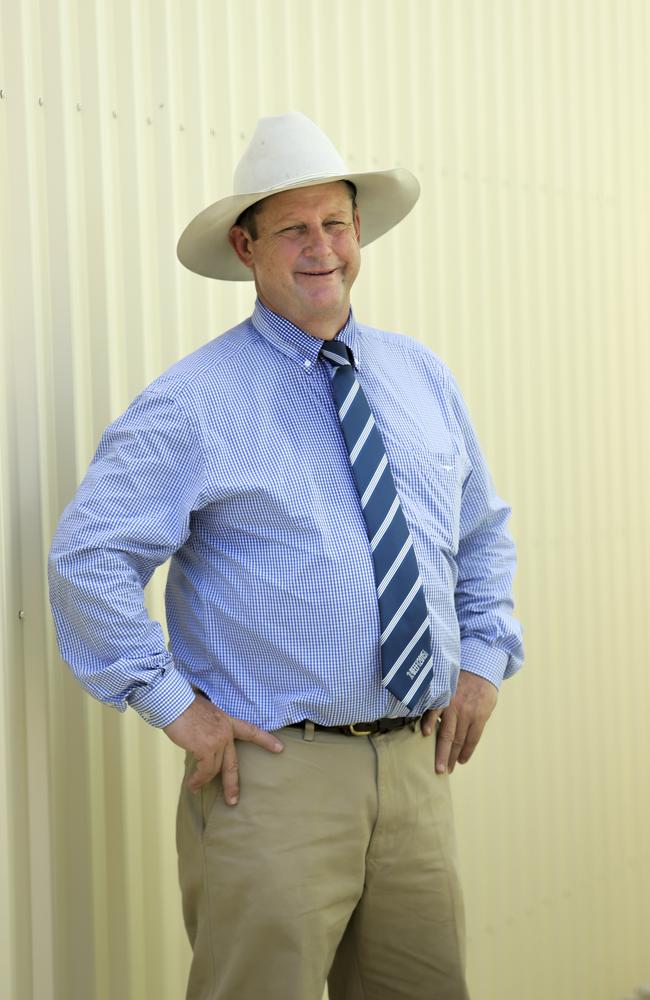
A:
{"x":323,"y":297}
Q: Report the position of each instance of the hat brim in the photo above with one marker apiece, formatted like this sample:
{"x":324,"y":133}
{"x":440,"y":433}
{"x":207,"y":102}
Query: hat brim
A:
{"x":384,"y":198}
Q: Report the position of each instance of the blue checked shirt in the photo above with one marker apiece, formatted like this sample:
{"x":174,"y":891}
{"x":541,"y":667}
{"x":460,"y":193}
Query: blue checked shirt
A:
{"x":233,"y":464}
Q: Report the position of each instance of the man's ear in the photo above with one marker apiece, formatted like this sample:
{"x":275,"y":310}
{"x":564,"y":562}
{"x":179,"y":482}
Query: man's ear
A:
{"x":240,"y":240}
{"x":357,"y":224}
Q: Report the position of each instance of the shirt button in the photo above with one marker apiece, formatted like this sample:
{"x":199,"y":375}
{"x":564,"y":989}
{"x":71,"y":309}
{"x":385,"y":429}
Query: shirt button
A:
{"x":307,"y":364}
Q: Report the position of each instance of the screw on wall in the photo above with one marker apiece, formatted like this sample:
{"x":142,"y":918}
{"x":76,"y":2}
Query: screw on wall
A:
{"x":21,"y":615}
{"x":3,"y":94}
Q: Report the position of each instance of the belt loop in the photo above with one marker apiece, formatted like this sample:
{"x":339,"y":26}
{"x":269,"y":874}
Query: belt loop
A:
{"x":308,"y":731}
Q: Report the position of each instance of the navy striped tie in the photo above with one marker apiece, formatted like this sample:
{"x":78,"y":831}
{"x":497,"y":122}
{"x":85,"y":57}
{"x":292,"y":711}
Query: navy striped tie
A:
{"x":405,"y":638}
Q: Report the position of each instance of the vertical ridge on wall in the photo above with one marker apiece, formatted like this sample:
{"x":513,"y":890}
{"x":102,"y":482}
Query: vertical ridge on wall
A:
{"x":524,"y":266}
{"x":28,"y":309}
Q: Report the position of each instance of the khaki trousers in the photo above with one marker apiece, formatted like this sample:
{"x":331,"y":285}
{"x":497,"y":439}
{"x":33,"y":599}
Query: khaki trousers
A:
{"x":337,"y":865}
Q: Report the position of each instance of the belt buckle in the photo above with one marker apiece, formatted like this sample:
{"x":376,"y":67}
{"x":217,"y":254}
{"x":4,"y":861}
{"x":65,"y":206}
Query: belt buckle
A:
{"x":352,"y":729}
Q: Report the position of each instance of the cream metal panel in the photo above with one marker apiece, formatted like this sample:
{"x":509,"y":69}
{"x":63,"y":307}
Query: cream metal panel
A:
{"x":525,"y":266}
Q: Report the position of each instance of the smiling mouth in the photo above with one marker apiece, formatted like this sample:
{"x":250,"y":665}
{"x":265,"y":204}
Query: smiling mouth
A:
{"x":318,"y":274}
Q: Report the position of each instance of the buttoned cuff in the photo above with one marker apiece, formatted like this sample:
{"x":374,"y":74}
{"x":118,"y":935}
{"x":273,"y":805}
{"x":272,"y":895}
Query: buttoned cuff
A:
{"x":486,"y":661}
{"x":162,"y":703}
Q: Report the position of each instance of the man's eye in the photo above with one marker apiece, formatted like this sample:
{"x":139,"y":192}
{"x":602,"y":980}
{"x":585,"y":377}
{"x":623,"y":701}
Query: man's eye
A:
{"x":333,"y":223}
{"x":292,"y":229}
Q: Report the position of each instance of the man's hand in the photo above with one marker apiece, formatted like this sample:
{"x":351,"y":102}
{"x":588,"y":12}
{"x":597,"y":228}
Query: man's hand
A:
{"x":210,"y":735}
{"x":463,"y":720}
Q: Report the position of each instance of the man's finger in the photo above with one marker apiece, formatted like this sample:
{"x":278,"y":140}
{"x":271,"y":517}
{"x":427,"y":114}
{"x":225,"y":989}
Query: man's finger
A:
{"x":252,"y":734}
{"x":205,"y":770}
{"x":446,"y":734}
{"x":428,"y":721}
{"x":230,"y":775}
{"x":471,"y":742}
{"x":457,"y":745}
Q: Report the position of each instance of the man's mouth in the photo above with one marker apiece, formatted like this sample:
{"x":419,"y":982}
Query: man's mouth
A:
{"x":318,"y":274}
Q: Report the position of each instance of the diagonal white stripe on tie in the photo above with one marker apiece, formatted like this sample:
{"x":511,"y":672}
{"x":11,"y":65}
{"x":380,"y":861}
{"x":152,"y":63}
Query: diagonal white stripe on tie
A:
{"x":426,"y":670}
{"x":361,"y":440}
{"x":397,"y":562}
{"x":349,"y":399}
{"x":405,"y":652}
{"x":400,"y":611}
{"x":372,"y":485}
{"x":385,"y":524}
{"x":336,"y":358}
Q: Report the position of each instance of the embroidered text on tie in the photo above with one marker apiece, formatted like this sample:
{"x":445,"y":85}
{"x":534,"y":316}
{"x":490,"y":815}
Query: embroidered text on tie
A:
{"x":405,"y":638}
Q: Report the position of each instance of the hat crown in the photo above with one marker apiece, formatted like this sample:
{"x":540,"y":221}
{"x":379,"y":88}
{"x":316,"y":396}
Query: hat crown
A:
{"x":286,"y":149}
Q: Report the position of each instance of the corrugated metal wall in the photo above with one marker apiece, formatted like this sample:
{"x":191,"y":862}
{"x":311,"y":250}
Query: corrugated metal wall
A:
{"x":525,"y":265}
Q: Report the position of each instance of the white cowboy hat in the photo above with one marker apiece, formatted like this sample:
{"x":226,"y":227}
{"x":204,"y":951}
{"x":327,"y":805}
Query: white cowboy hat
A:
{"x":290,"y":151}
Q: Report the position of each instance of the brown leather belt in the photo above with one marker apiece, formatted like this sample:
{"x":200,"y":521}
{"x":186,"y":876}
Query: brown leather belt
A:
{"x":364,"y":728}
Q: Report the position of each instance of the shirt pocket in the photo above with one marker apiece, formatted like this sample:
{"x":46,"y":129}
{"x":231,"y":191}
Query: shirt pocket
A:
{"x":431,"y":488}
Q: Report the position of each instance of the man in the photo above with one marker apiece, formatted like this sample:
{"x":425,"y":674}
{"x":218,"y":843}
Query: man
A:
{"x":340,"y":579}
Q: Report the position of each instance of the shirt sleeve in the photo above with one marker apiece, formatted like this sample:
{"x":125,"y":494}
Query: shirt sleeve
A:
{"x":131,"y":513}
{"x":491,"y":640}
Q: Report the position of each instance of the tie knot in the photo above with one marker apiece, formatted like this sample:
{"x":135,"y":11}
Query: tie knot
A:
{"x":337,"y":352}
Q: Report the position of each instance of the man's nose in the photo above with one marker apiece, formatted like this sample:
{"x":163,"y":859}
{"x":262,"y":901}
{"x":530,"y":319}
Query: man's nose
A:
{"x":316,"y":240}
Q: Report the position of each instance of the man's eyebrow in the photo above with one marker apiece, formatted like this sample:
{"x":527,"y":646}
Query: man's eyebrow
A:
{"x":288,"y":220}
{"x":295,"y":220}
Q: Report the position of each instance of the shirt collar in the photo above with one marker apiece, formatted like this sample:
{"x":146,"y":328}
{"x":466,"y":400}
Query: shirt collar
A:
{"x":294,"y":342}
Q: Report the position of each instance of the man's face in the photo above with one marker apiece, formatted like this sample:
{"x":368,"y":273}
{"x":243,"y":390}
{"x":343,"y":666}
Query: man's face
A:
{"x":306,"y":255}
